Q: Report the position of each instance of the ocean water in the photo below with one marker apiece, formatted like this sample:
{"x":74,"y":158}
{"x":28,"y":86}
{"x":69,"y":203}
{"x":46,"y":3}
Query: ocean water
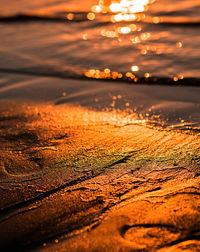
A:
{"x":162,"y":41}
{"x":135,"y":42}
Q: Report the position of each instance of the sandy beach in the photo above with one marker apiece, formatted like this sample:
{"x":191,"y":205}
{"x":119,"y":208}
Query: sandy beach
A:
{"x":75,"y":178}
{"x":100,"y":126}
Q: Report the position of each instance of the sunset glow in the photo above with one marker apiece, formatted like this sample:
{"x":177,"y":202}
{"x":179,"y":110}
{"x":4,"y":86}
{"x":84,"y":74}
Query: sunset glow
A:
{"x":123,"y":6}
{"x":129,"y":6}
{"x":100,"y":125}
{"x":123,"y":10}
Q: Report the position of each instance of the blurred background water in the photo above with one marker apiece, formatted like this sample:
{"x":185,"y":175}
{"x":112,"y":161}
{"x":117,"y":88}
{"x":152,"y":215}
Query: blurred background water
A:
{"x":132,"y":40}
{"x":162,"y":40}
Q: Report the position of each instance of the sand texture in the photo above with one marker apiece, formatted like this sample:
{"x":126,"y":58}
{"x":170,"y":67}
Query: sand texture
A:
{"x":99,"y":126}
{"x":72,"y":179}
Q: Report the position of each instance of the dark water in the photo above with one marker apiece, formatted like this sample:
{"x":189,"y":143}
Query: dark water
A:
{"x":56,"y":44}
{"x":159,"y":44}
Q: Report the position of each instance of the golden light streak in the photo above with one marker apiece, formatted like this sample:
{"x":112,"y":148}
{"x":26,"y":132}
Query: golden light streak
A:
{"x":175,"y":78}
{"x":107,"y":70}
{"x":181,"y":77}
{"x":147,"y":75}
{"x":109,"y":34}
{"x":70,"y":16}
{"x":123,"y":10}
{"x":107,"y":74}
{"x":123,"y":6}
{"x":156,"y":20}
{"x":90,"y":16}
{"x":96,"y":9}
{"x":123,"y":17}
{"x":84,"y":36}
{"x":124,"y":30}
{"x":134,"y":68}
{"x":179,"y":44}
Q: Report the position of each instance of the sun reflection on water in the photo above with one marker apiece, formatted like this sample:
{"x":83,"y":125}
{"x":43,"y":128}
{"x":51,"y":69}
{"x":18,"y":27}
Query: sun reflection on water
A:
{"x":124,"y":10}
{"x":127,"y":27}
{"x":123,"y":6}
{"x":130,"y":11}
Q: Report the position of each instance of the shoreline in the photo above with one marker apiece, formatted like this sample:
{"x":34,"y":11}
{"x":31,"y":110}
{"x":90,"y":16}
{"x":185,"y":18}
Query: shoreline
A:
{"x":174,"y":81}
{"x":100,"y":126}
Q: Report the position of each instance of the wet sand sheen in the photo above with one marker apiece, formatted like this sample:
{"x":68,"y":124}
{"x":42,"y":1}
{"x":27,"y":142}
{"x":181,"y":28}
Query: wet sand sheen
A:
{"x":63,"y":168}
{"x":90,"y":161}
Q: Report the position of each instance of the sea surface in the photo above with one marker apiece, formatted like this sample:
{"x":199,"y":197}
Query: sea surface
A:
{"x":132,"y":42}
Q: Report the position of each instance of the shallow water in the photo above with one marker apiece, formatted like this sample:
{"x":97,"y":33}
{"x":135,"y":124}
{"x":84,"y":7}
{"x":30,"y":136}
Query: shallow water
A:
{"x":169,"y":48}
{"x":68,"y":39}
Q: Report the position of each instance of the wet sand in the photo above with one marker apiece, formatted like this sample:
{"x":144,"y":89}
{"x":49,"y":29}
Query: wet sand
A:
{"x":78,"y":179}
